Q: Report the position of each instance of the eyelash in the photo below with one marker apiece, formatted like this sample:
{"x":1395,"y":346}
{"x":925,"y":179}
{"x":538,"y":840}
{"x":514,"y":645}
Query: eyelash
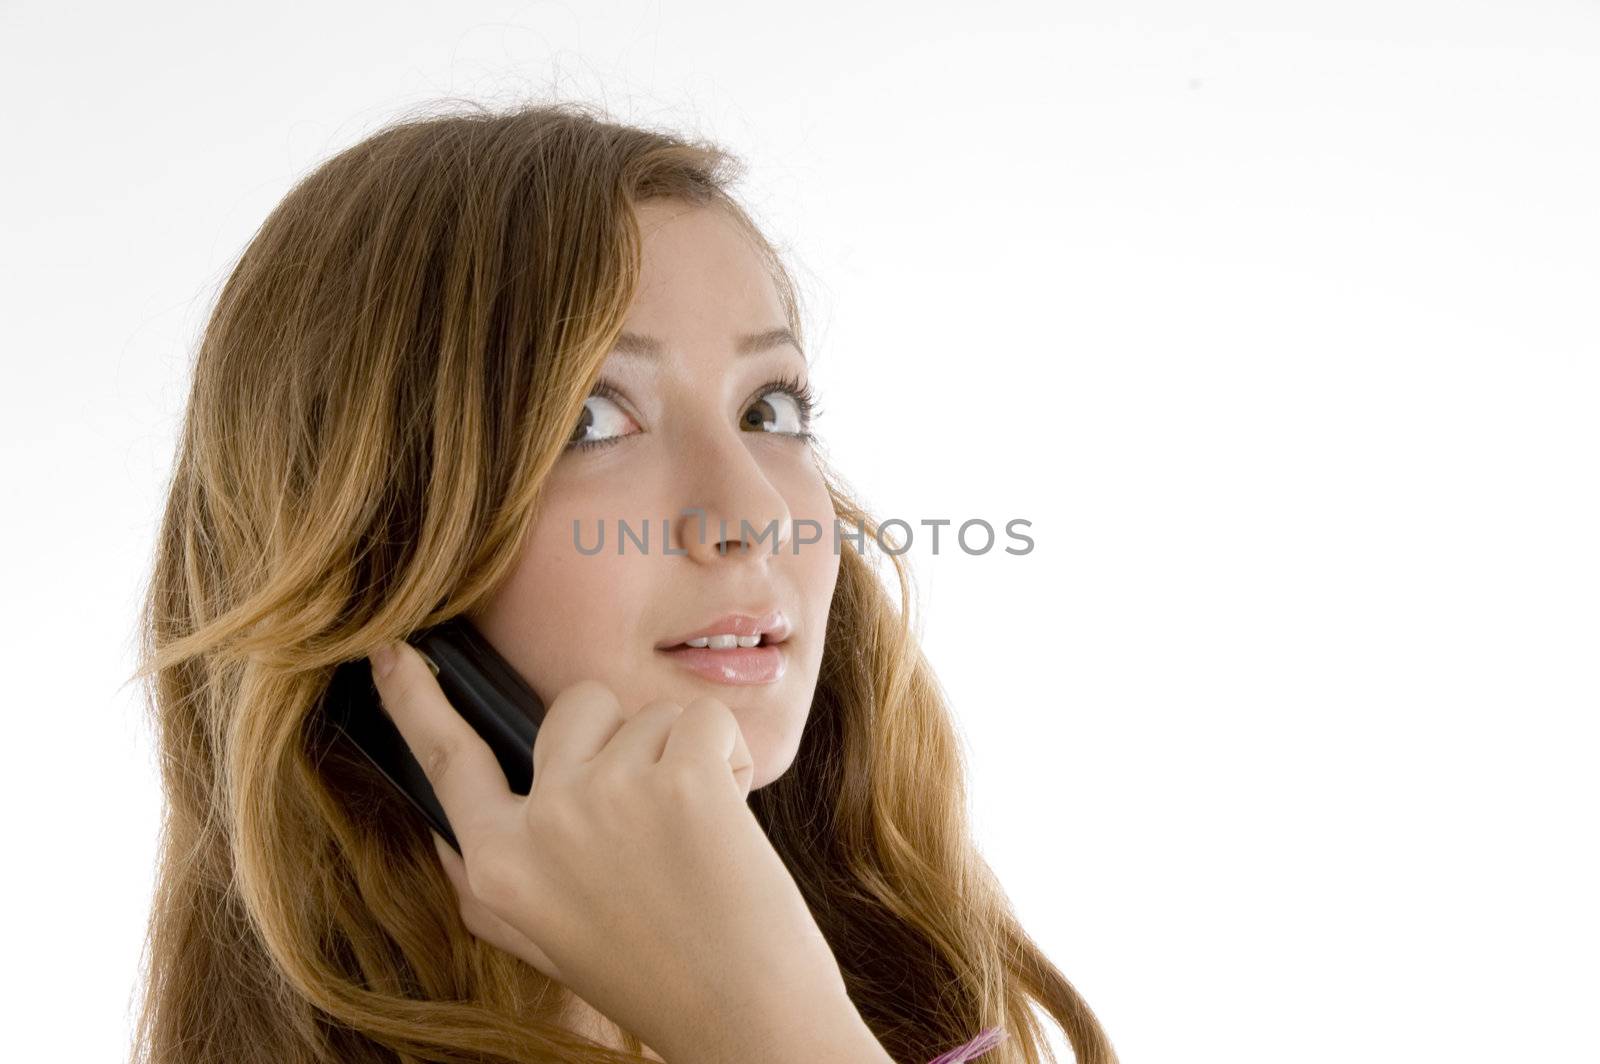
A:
{"x":803,"y":396}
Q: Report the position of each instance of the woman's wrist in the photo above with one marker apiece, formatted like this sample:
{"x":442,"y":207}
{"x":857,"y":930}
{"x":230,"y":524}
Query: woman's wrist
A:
{"x":843,"y":1036}
{"x":799,"y":1031}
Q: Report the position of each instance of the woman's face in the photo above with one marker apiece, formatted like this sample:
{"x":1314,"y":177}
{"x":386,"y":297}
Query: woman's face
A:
{"x":698,"y":424}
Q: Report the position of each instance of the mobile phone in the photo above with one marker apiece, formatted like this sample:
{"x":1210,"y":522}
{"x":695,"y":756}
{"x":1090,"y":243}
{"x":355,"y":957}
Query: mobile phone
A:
{"x":482,"y":686}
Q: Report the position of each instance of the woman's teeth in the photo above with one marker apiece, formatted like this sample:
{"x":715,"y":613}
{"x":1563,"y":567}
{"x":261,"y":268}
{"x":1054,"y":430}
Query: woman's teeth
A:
{"x":724,"y":642}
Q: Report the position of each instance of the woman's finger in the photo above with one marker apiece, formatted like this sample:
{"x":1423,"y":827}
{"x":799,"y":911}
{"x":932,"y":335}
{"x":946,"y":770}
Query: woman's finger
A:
{"x":741,"y":761}
{"x":577,"y":725}
{"x":462,"y":769}
{"x":641,"y":739}
{"x":706,"y":734}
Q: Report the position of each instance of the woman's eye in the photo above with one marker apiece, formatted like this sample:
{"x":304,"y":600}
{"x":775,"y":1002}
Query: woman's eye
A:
{"x":786,"y":415}
{"x":601,"y":423}
{"x":785,"y":408}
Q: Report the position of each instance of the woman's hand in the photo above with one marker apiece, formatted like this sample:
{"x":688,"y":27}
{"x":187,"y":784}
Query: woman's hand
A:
{"x":633,"y":873}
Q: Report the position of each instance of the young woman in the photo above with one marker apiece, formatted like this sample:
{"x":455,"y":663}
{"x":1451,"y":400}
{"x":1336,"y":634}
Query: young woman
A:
{"x":451,"y":359}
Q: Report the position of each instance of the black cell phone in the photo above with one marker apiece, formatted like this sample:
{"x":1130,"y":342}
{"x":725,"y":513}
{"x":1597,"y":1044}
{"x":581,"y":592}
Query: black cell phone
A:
{"x":481,"y":685}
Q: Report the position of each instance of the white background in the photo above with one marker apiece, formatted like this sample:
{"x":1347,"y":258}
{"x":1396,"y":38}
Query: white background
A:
{"x":1278,"y":322}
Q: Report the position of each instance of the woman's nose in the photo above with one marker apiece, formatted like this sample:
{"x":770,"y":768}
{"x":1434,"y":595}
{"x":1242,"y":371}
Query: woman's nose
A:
{"x":730,"y":506}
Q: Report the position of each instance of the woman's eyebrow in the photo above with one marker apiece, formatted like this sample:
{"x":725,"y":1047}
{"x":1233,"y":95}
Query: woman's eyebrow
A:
{"x":751,"y":344}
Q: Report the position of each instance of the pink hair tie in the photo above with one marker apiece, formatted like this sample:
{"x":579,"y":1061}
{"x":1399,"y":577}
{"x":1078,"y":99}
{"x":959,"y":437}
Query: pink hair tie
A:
{"x":986,"y":1040}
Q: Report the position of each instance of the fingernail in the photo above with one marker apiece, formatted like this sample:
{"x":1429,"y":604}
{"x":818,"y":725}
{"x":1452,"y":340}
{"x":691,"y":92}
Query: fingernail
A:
{"x":383,"y":659}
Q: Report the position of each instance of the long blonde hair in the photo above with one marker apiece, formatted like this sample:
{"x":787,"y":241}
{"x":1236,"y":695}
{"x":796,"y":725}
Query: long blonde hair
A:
{"x":389,"y":373}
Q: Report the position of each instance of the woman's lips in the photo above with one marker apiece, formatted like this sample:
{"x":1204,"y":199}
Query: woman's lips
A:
{"x":736,"y":665}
